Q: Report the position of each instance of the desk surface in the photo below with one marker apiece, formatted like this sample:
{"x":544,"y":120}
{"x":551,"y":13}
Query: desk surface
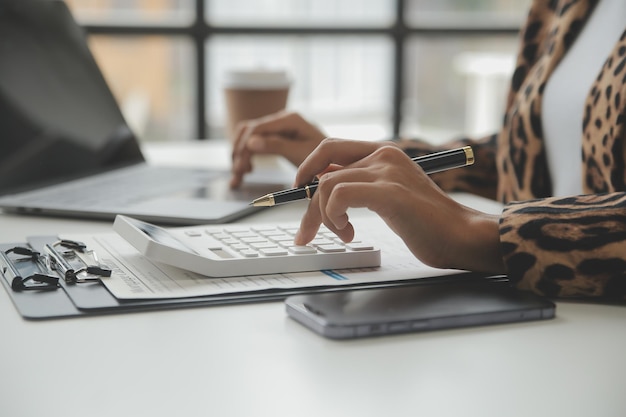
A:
{"x":252,"y":360}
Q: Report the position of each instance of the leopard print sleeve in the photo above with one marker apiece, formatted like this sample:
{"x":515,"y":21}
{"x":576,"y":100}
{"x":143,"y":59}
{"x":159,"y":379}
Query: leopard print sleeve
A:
{"x":479,"y":178}
{"x":567,"y":247}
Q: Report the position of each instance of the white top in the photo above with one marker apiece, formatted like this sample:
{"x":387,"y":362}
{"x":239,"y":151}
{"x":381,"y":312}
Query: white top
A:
{"x":568,"y":87}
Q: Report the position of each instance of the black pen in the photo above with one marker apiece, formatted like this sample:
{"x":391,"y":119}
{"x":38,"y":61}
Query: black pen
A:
{"x":431,"y":163}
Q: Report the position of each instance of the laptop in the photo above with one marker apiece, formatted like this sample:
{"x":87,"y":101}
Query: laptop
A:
{"x":65,"y":148}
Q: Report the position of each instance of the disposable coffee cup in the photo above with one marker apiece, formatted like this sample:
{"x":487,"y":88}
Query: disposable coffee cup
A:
{"x":251,"y":94}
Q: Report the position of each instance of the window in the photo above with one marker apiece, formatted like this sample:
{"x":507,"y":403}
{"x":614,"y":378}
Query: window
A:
{"x":366,"y":69}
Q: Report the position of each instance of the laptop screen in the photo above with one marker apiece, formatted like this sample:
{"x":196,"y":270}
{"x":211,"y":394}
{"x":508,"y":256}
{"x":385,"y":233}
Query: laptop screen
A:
{"x":58,"y":117}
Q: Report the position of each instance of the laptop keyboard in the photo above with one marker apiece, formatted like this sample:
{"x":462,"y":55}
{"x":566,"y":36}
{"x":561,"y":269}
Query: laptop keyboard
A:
{"x":121,"y":187}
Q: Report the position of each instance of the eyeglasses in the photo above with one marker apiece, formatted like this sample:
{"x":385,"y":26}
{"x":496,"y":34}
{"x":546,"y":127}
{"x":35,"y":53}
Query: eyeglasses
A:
{"x":68,"y":258}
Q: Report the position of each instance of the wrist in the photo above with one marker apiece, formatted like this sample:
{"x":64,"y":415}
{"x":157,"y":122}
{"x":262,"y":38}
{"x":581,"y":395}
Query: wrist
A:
{"x":481,"y":244}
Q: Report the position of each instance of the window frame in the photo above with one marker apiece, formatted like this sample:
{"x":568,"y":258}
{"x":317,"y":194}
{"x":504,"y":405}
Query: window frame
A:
{"x":199,"y":31}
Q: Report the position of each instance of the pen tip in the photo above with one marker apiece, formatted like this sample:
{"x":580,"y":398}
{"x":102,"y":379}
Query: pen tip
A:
{"x":265,"y":201}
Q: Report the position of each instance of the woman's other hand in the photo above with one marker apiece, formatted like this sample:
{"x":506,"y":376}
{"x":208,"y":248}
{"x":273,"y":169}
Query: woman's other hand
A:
{"x":284,"y":133}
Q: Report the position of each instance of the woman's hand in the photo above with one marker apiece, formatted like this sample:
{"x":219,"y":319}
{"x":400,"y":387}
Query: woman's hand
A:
{"x":283,"y":133}
{"x":439,"y":231}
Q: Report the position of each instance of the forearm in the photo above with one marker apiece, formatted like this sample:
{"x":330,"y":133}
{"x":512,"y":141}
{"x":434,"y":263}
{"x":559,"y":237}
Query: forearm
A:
{"x":569,"y":247}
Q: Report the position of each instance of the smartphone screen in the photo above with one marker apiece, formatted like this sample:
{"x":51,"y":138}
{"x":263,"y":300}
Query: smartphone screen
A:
{"x":420,"y":307}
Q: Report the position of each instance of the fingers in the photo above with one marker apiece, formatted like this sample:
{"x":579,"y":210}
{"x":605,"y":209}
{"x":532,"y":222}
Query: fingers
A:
{"x":241,"y":157}
{"x":285,"y":134}
{"x":336,"y":191}
{"x":249,"y":140}
{"x":309,"y":224}
{"x":383,"y":179}
{"x":288,"y":135}
{"x":333,"y":151}
{"x":311,"y":221}
{"x":375,"y":181}
{"x":279,"y":122}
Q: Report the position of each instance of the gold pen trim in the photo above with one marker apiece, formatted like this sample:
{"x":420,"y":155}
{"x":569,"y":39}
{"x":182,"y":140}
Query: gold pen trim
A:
{"x":308,"y":192}
{"x":469,"y":155}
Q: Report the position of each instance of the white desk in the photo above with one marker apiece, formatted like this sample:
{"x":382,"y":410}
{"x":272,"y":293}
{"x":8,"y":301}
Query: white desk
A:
{"x":251,"y":360}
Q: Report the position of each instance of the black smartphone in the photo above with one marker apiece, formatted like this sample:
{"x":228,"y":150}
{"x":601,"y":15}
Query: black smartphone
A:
{"x":413,"y":308}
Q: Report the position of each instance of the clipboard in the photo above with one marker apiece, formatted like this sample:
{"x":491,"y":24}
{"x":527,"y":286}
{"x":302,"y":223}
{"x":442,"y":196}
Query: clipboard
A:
{"x":67,"y":292}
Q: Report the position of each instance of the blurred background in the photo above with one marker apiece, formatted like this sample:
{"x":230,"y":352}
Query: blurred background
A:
{"x":369,"y":69}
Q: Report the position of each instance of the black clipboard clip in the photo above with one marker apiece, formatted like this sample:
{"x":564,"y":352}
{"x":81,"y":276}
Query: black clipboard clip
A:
{"x":42,"y":280}
{"x":74,"y":262}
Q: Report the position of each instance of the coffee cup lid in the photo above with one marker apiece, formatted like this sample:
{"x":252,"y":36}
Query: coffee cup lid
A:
{"x":258,"y":79}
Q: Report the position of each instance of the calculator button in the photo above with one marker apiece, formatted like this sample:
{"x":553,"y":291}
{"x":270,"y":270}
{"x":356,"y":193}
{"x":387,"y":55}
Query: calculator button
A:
{"x":262,"y":228}
{"x":253,"y":239}
{"x":249,"y":253}
{"x":269,"y":233}
{"x":302,"y":250}
{"x":273,"y":251}
{"x":263,"y":245}
{"x":239,"y":246}
{"x":210,"y":244}
{"x":221,"y":236}
{"x":321,"y":241}
{"x":241,"y":234}
{"x":359,"y":246}
{"x":235,"y":229}
{"x":331,"y":248}
{"x":281,"y":238}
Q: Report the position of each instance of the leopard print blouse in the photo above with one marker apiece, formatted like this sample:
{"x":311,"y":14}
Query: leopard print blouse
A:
{"x":560,"y":247}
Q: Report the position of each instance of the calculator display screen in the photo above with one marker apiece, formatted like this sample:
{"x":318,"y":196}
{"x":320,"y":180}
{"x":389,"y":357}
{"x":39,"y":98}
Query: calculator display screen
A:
{"x":161,"y":236}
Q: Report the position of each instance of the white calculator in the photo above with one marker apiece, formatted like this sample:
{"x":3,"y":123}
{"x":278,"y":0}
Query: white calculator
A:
{"x":236,"y":250}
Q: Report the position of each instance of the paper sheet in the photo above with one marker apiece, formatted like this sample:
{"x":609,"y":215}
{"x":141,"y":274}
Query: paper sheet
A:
{"x":136,"y":277}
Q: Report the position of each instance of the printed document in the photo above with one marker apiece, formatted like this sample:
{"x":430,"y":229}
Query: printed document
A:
{"x":137,"y":277}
